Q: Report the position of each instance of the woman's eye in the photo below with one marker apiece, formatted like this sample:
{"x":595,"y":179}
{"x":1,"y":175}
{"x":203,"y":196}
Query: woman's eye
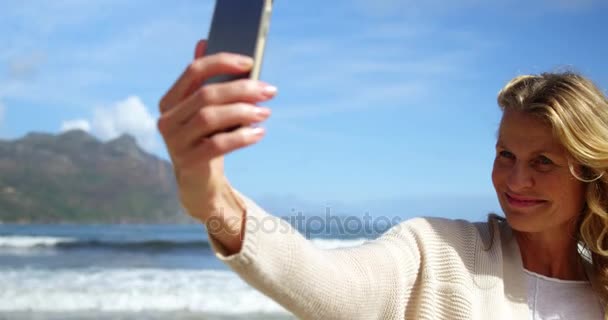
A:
{"x":544,"y":160}
{"x":506,"y":154}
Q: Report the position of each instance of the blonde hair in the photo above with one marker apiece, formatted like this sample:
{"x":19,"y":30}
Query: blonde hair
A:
{"x":578,"y":113}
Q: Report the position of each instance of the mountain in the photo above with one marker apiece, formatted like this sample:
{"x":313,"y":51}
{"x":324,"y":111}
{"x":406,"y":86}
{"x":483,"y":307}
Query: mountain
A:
{"x":74,"y":177}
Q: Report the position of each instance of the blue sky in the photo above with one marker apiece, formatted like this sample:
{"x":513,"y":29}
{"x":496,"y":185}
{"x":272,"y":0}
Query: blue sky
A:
{"x":384,"y":106}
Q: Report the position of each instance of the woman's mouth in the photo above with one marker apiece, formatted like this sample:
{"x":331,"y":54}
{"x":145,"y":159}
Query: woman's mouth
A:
{"x":522,"y":202}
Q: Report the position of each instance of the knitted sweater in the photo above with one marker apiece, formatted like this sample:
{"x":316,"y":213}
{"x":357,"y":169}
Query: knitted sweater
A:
{"x":423,"y":268}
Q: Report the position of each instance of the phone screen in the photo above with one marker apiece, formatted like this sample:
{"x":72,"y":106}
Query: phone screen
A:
{"x":236,"y":28}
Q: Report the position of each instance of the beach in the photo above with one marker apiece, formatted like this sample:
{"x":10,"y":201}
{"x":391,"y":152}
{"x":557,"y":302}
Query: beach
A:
{"x":125,"y":272}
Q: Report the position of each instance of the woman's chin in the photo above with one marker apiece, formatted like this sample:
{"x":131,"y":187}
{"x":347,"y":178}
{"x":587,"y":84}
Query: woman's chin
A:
{"x":526,"y":221}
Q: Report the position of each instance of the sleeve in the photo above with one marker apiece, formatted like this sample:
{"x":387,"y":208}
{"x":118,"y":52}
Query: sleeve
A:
{"x":371,"y":281}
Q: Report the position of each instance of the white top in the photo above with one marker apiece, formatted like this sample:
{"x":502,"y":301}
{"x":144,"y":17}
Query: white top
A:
{"x":423,"y":269}
{"x":555,"y":299}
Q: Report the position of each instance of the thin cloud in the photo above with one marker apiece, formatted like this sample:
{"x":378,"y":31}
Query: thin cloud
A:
{"x":2,"y":113}
{"x":70,"y":74}
{"x":375,"y":68}
{"x":49,"y":16}
{"x":410,"y":7}
{"x":80,"y":124}
{"x":390,"y":95}
{"x":27,"y":66}
{"x":126,"y":116}
{"x":70,"y":88}
{"x":568,"y":5}
{"x":418,"y":9}
{"x":84,"y":66}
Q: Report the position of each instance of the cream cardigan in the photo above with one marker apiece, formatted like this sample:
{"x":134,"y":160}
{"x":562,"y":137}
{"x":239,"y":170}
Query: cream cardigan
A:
{"x":420,"y":269}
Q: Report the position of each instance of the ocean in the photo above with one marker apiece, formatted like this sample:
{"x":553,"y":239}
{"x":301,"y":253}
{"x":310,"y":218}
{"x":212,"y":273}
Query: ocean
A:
{"x":126,"y":272}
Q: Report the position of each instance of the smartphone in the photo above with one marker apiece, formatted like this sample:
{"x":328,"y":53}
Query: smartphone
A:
{"x":239,"y":26}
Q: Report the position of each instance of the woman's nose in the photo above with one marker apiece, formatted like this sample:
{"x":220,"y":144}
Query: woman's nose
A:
{"x":520,"y":177}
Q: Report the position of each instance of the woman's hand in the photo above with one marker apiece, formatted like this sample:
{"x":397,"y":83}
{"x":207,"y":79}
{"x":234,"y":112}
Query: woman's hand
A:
{"x":194,"y":122}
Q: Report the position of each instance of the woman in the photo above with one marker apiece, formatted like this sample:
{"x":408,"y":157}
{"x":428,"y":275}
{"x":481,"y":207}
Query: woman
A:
{"x":547,"y":260}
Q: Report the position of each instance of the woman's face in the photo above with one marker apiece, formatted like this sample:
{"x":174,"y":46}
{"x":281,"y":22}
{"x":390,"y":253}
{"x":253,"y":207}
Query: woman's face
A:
{"x":534,"y":185}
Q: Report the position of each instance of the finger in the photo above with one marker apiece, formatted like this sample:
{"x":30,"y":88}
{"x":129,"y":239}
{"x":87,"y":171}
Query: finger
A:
{"x":202,"y":69}
{"x":219,"y":145}
{"x":200,"y":49}
{"x":212,"y":120}
{"x":248,"y":91}
{"x":199,"y":52}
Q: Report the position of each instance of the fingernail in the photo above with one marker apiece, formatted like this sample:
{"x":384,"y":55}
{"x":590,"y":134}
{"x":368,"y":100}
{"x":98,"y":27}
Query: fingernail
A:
{"x":244,"y":62}
{"x":261,"y":113}
{"x":269,"y":91}
{"x":254,"y":132}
